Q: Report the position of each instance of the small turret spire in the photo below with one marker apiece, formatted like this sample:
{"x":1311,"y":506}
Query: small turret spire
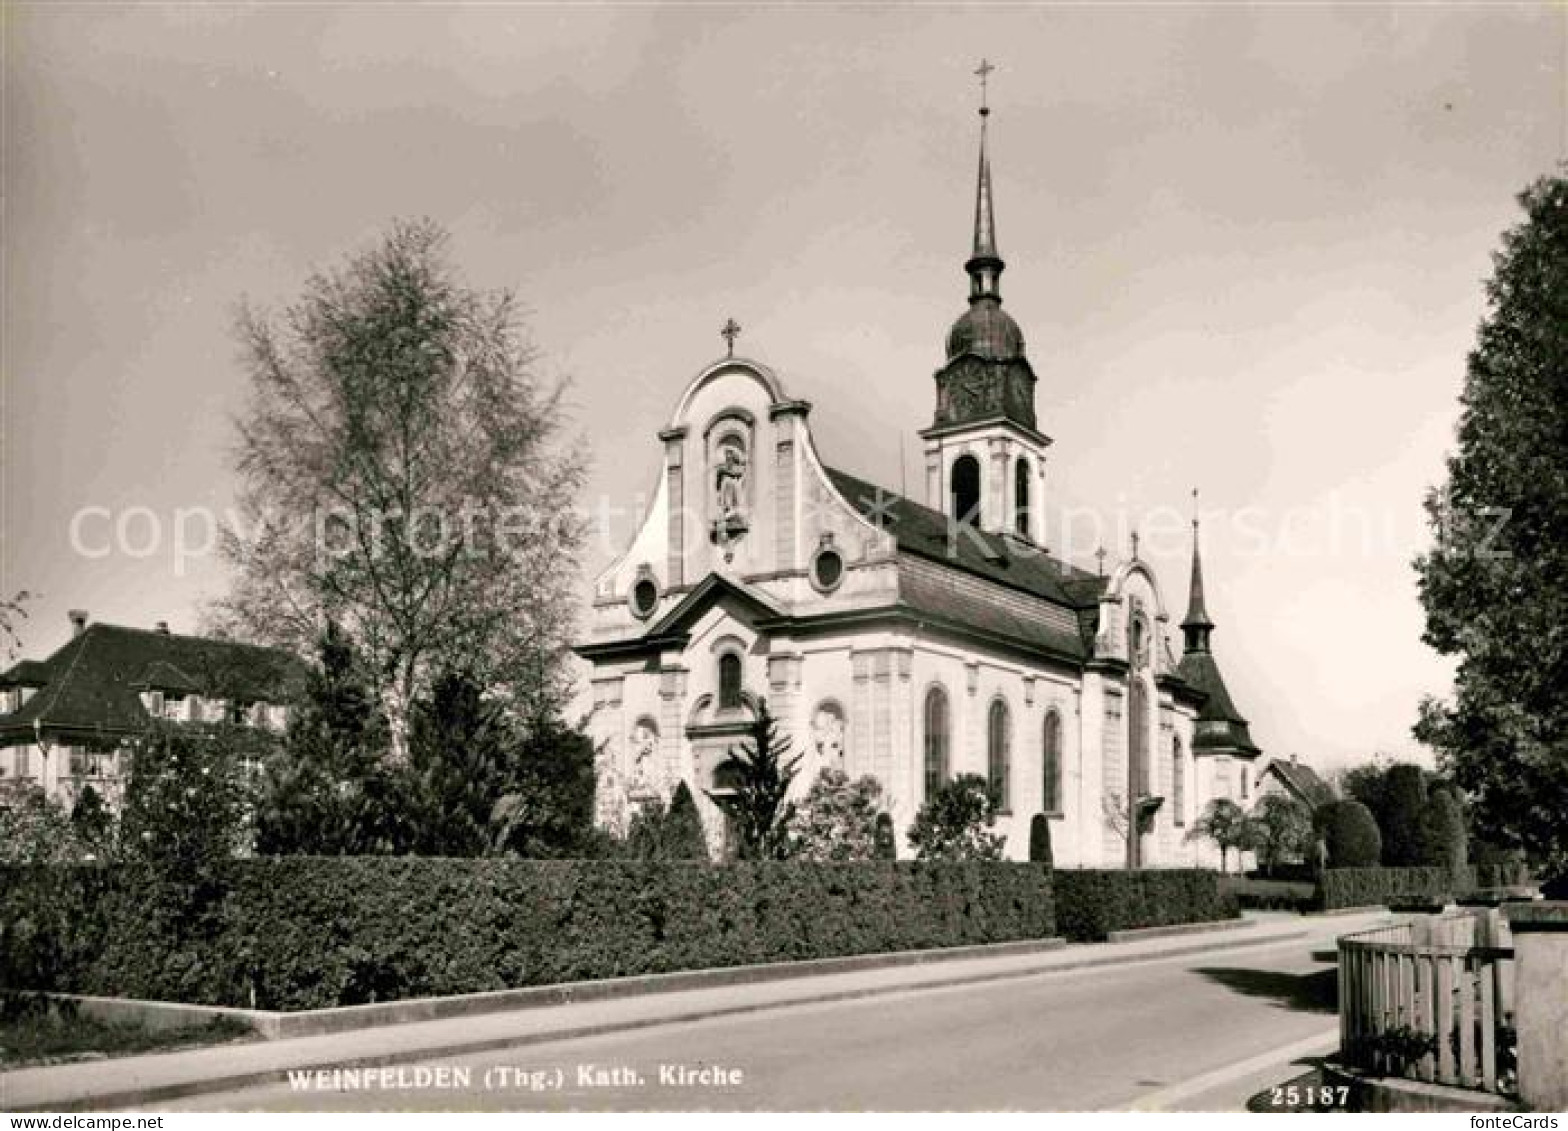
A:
{"x":1196,"y":626}
{"x":985,"y":265}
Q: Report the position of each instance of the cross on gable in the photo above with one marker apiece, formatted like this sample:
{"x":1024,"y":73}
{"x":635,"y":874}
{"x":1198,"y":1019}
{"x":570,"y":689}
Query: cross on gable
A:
{"x":729,"y":333}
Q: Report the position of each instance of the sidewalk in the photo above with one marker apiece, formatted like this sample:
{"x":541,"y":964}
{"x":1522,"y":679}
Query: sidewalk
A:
{"x":130,"y":1081}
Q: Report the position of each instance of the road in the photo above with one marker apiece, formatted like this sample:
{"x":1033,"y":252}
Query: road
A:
{"x":1165,"y":1032}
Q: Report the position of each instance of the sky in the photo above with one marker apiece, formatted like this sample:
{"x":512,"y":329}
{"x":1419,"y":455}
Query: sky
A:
{"x":1247,"y":247}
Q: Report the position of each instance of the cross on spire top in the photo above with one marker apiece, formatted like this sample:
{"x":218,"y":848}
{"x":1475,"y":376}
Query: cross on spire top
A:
{"x":984,"y":71}
{"x":729,"y":333}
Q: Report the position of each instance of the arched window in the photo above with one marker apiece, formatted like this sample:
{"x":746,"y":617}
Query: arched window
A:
{"x":1021,"y":497}
{"x":1051,"y":763}
{"x":998,"y":747}
{"x":966,"y":490}
{"x":1178,"y":784}
{"x":729,"y":681}
{"x":1244,"y":783}
{"x":936,"y":740}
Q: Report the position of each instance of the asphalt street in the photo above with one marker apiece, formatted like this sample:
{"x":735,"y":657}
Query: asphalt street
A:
{"x":1197,"y":1030}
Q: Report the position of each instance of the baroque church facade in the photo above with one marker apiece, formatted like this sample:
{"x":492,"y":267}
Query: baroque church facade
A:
{"x":911,"y":641}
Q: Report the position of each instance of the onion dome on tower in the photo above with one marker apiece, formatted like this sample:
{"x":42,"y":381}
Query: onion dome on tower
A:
{"x":986,"y":376}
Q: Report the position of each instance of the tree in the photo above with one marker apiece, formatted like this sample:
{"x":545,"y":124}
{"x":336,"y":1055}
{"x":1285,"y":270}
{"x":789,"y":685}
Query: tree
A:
{"x":1399,"y":822}
{"x":402,"y":475}
{"x":757,"y":804}
{"x":1443,"y":835}
{"x":1495,"y":583}
{"x":549,"y":812}
{"x":837,"y":819}
{"x":1040,"y":839}
{"x":465,"y":755}
{"x":327,"y":790}
{"x":1368,"y":784}
{"x":12,"y":610}
{"x":955,"y":822}
{"x":1349,"y":835}
{"x":657,"y":833}
{"x":1283,"y":828}
{"x":1227,"y":825}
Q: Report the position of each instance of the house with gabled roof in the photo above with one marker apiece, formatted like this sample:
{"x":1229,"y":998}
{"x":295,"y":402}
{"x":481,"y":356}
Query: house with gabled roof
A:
{"x":66,"y":720}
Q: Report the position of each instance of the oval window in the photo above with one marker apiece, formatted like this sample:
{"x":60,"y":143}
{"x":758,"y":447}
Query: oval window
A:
{"x":827,"y":570}
{"x":645,"y":597}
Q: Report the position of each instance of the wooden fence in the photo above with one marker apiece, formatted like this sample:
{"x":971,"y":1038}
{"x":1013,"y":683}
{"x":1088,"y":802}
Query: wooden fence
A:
{"x":1430,"y":1000}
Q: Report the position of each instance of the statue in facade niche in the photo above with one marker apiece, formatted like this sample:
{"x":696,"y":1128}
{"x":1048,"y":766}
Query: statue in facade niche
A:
{"x":730,"y":480}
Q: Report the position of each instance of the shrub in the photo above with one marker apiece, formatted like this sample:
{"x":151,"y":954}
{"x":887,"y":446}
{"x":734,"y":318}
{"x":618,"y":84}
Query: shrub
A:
{"x":1443,"y":836}
{"x":1090,"y":904}
{"x":1254,"y":894}
{"x":837,"y":819}
{"x":886,"y":839}
{"x":1369,"y":887}
{"x":1400,"y":821}
{"x":306,"y":932}
{"x":1040,"y":839}
{"x":1350,"y":834}
{"x":674,"y":833}
{"x":955,"y":822}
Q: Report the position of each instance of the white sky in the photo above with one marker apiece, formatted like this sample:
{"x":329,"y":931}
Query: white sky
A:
{"x":1246,"y":246}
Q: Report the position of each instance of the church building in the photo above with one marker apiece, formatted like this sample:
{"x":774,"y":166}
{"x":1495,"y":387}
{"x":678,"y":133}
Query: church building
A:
{"x":911,"y":641}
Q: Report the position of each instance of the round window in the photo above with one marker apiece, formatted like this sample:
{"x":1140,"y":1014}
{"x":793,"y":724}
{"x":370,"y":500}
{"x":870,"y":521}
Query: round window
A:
{"x":827,"y":570}
{"x":645,"y":597}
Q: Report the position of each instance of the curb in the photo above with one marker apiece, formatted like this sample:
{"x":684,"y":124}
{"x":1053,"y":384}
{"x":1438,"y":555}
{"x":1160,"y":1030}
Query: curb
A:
{"x":135,"y":1097}
{"x":283,"y":1025}
{"x":1208,"y":927}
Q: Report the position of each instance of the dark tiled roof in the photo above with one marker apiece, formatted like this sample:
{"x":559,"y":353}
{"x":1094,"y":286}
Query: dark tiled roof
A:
{"x":1220,"y":725}
{"x":94,"y":679}
{"x":925,"y":532}
{"x":1303,"y":781}
{"x":26,"y":673}
{"x":929,"y":594}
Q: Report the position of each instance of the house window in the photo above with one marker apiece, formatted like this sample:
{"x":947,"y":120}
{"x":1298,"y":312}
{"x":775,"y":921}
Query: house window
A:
{"x":999,"y":755}
{"x":1244,"y":783}
{"x":1178,"y":784}
{"x":729,"y":682}
{"x":1021,"y":497}
{"x":24,"y":762}
{"x":1051,"y":763}
{"x":966,"y":490}
{"x":936,"y":740}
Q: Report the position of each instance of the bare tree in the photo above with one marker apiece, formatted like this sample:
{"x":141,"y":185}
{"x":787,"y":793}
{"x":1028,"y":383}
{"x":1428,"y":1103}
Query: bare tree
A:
{"x":404,"y":476}
{"x":12,"y":610}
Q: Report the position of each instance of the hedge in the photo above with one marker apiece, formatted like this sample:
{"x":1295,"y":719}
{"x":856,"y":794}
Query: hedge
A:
{"x":1091,"y":903}
{"x":302,"y":932}
{"x":1368,"y":887}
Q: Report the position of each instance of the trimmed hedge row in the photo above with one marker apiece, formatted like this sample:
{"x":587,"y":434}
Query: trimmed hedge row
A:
{"x":1092,"y":903}
{"x":1366,"y":887}
{"x":302,"y":933}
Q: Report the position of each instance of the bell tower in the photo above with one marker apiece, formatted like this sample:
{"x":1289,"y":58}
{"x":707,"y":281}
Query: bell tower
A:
{"x":985,"y":459}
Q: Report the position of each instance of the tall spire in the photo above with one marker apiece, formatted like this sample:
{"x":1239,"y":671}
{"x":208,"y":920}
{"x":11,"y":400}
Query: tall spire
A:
{"x":985,"y":265}
{"x":1196,"y":626}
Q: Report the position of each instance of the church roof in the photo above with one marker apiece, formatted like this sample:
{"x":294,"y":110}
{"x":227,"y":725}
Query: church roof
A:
{"x":1221,"y":727}
{"x":987,"y":331}
{"x":92,"y":682}
{"x":930,"y":535}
